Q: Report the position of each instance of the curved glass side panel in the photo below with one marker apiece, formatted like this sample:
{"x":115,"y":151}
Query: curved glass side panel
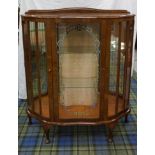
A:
{"x":39,"y":69}
{"x":122,"y":57}
{"x":116,"y":68}
{"x":35,"y":88}
{"x":113,"y":57}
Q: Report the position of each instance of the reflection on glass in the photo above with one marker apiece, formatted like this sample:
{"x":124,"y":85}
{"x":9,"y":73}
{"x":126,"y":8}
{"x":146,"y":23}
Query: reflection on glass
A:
{"x":122,"y":58}
{"x":78,"y":49}
{"x":43,"y":58}
{"x":33,"y":59}
{"x":39,"y":68}
{"x":117,"y":62}
{"x":34,"y":65}
{"x":113,"y":57}
{"x":43,"y":70}
{"x":114,"y":54}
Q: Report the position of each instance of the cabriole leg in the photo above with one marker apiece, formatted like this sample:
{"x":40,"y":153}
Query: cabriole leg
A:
{"x":46,"y":128}
{"x":110,"y":136}
{"x":110,"y":128}
{"x":126,"y":118}
{"x":29,"y":119}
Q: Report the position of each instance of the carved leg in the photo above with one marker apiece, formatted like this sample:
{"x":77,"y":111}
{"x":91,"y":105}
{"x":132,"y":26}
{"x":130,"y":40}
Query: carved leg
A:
{"x":30,"y":119}
{"x":126,"y":118}
{"x":110,"y":136}
{"x":46,"y":128}
{"x":110,"y":128}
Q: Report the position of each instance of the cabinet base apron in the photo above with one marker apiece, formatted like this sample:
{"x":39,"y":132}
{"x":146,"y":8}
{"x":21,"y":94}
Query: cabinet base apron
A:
{"x":110,"y":124}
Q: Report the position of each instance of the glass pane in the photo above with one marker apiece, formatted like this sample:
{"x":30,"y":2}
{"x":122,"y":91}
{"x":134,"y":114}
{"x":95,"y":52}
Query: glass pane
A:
{"x":114,"y":43}
{"x":113,"y":57}
{"x":114,"y":96}
{"x":78,"y":49}
{"x":34,"y":67}
{"x":39,"y":68}
{"x":43,"y":70}
{"x":129,"y":62}
{"x":122,"y":58}
{"x":33,"y":59}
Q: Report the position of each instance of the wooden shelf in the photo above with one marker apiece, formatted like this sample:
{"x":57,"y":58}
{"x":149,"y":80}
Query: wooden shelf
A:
{"x":78,"y":111}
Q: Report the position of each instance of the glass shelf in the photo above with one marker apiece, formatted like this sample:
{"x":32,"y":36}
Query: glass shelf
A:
{"x":79,"y":82}
{"x":78,"y":49}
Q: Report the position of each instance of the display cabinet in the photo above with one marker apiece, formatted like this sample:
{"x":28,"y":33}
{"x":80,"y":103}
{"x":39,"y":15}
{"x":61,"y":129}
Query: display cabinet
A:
{"x":78,"y":66}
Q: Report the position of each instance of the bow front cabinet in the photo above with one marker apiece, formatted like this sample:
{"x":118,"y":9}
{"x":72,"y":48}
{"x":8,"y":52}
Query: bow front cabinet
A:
{"x":78,"y":66}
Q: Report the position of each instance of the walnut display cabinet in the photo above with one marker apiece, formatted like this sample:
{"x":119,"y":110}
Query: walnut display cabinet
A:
{"x":78,"y":66}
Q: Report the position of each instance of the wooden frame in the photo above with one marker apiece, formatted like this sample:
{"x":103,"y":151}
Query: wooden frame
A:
{"x":105,"y":18}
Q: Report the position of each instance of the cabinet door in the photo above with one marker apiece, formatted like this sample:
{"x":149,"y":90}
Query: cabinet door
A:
{"x":78,"y":57}
{"x":35,"y":50}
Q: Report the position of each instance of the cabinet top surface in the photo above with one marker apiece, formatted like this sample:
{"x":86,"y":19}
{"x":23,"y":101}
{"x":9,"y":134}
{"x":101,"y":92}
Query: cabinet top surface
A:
{"x":78,"y":13}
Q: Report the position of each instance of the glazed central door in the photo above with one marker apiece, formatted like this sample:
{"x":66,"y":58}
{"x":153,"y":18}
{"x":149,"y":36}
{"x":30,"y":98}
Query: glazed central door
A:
{"x":78,"y":54}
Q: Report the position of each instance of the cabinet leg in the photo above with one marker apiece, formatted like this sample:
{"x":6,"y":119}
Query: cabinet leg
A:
{"x":110,"y":128}
{"x":30,"y":120}
{"x":46,"y":131}
{"x":126,"y":118}
{"x":110,"y":136}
